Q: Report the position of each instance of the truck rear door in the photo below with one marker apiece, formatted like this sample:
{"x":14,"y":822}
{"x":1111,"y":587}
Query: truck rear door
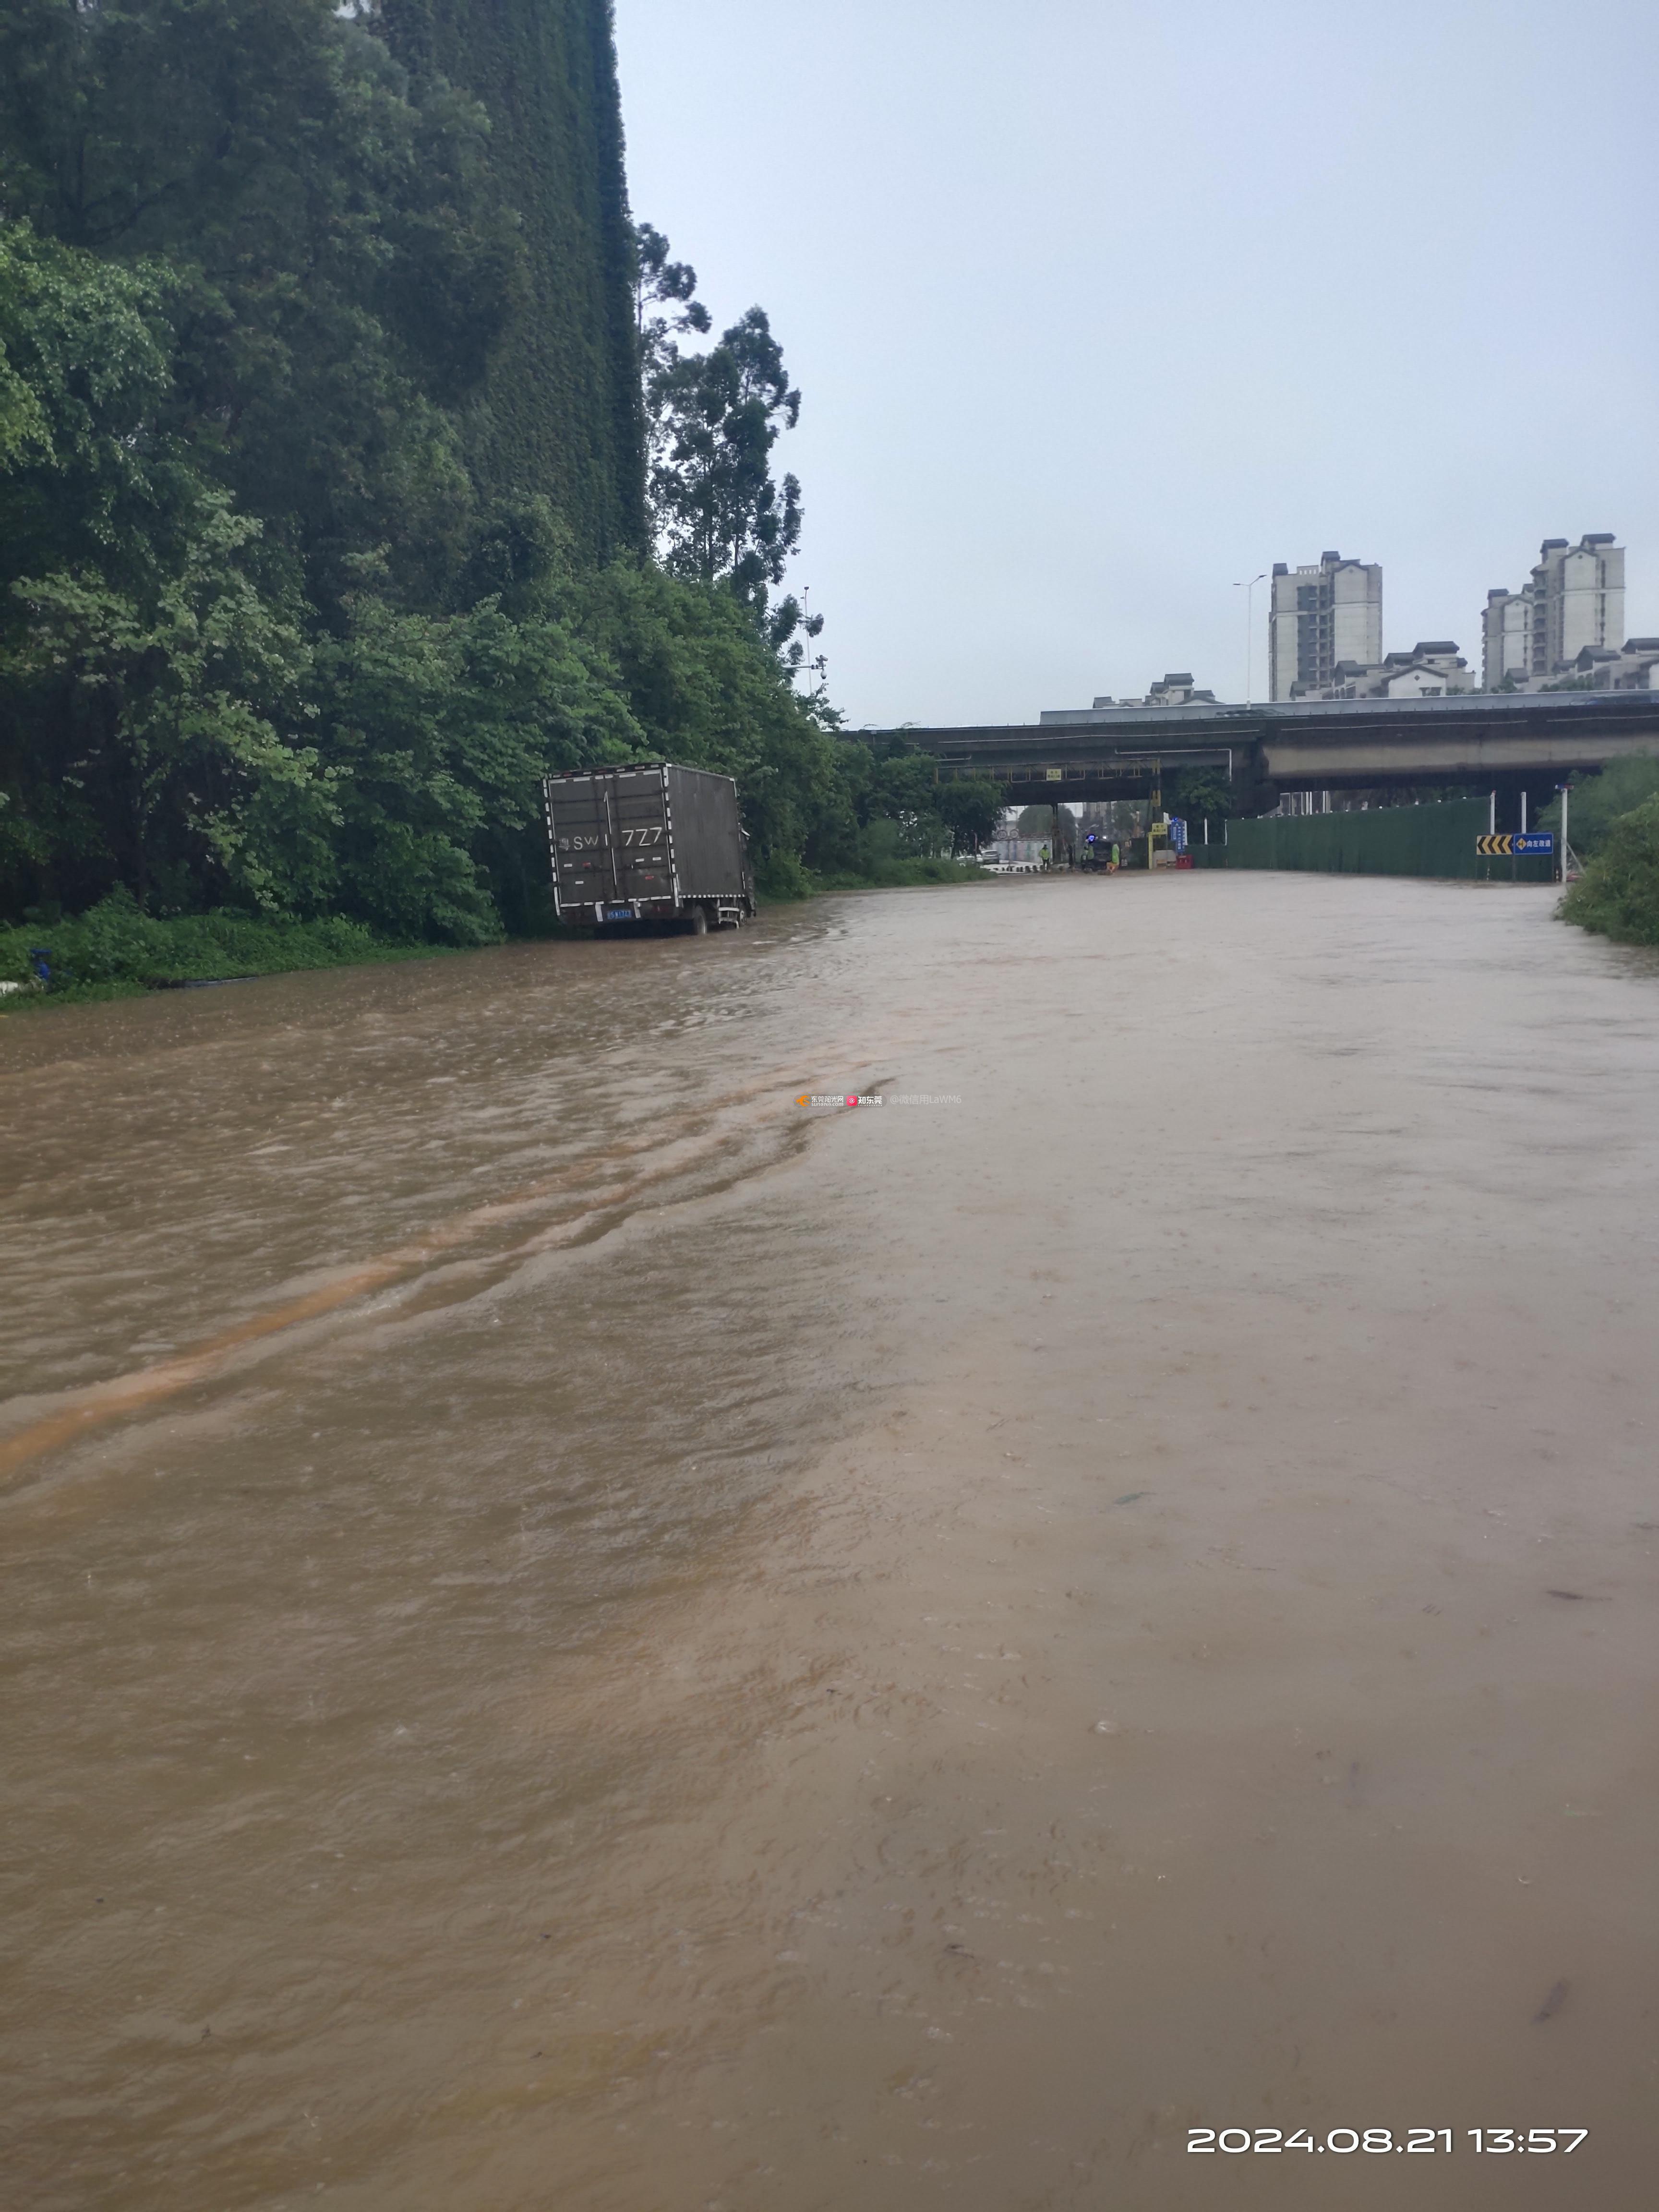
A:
{"x":609,"y":831}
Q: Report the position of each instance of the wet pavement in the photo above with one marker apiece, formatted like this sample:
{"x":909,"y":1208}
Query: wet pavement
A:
{"x":579,"y":1634}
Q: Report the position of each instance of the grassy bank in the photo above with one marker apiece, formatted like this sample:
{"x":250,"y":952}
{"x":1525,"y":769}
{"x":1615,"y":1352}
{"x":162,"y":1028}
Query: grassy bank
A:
{"x":114,"y":952}
{"x":896,"y":874}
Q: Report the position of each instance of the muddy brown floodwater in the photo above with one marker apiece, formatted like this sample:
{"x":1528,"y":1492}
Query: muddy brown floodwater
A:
{"x":580,"y":1636}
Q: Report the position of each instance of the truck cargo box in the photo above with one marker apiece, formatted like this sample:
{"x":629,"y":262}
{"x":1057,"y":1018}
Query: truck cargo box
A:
{"x":657,"y":843}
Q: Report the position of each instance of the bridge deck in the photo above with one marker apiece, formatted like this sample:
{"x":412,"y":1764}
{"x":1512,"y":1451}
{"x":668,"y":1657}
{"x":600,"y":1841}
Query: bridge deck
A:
{"x":1467,"y":738}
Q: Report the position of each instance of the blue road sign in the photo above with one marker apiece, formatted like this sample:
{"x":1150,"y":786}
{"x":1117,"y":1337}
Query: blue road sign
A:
{"x":1505,"y":844}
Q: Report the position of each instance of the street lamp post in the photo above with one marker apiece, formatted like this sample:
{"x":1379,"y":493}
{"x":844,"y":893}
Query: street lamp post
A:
{"x":1247,"y":585}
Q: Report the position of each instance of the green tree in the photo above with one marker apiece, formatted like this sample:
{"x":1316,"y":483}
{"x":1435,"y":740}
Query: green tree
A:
{"x":1194,"y":792}
{"x":895,"y":784}
{"x":971,"y":808}
{"x":711,"y":421}
{"x":170,"y":697}
{"x":659,"y":282}
{"x":151,"y":725}
{"x":702,"y":689}
{"x":719,"y":515}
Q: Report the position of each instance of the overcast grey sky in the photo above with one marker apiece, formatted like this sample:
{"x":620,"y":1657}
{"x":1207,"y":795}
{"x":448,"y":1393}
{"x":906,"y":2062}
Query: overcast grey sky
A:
{"x":1099,"y":305}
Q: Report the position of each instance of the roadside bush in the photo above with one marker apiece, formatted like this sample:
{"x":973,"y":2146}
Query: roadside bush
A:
{"x":780,"y":876}
{"x":1618,"y":895}
{"x":116,"y":939}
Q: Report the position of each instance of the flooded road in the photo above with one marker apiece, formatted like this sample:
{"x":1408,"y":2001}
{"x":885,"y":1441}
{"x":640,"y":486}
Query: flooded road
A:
{"x":579,"y":1634}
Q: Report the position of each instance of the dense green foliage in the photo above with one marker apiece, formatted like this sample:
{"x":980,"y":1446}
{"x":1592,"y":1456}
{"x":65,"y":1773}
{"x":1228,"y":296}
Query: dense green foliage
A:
{"x":1198,"y":793}
{"x":322,"y":477}
{"x":338,"y":261}
{"x":401,"y":308}
{"x":1613,"y":825}
{"x":558,"y":407}
{"x":903,"y":811}
{"x":1617,"y":894}
{"x":150,"y":722}
{"x":1598,"y":800}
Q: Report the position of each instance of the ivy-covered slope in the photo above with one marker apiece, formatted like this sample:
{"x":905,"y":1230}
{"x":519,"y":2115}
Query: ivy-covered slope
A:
{"x":559,"y":411}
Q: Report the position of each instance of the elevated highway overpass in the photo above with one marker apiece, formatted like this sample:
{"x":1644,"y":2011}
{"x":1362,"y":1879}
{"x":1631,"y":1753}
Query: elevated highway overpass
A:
{"x":1475,"y":738}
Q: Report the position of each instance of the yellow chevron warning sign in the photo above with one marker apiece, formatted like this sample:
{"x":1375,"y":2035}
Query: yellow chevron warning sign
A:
{"x":1495,"y":848}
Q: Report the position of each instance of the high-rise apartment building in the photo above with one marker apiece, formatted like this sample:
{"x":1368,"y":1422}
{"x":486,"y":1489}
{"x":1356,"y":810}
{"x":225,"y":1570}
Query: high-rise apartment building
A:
{"x":1320,"y":616}
{"x":1506,"y":638}
{"x":1574,"y":598}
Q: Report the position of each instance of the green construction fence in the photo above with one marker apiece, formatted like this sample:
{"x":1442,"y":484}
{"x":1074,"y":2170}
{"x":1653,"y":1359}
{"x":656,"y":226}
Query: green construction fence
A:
{"x":1436,"y":840}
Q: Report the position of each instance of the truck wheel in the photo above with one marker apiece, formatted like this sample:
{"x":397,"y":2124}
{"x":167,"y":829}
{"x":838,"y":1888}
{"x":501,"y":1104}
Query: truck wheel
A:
{"x":699,"y":922}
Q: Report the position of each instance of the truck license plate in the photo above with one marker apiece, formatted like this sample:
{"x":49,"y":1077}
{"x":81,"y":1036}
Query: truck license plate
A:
{"x":619,"y":914}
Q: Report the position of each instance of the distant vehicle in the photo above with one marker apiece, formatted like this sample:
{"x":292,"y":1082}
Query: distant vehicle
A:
{"x":659,"y":843}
